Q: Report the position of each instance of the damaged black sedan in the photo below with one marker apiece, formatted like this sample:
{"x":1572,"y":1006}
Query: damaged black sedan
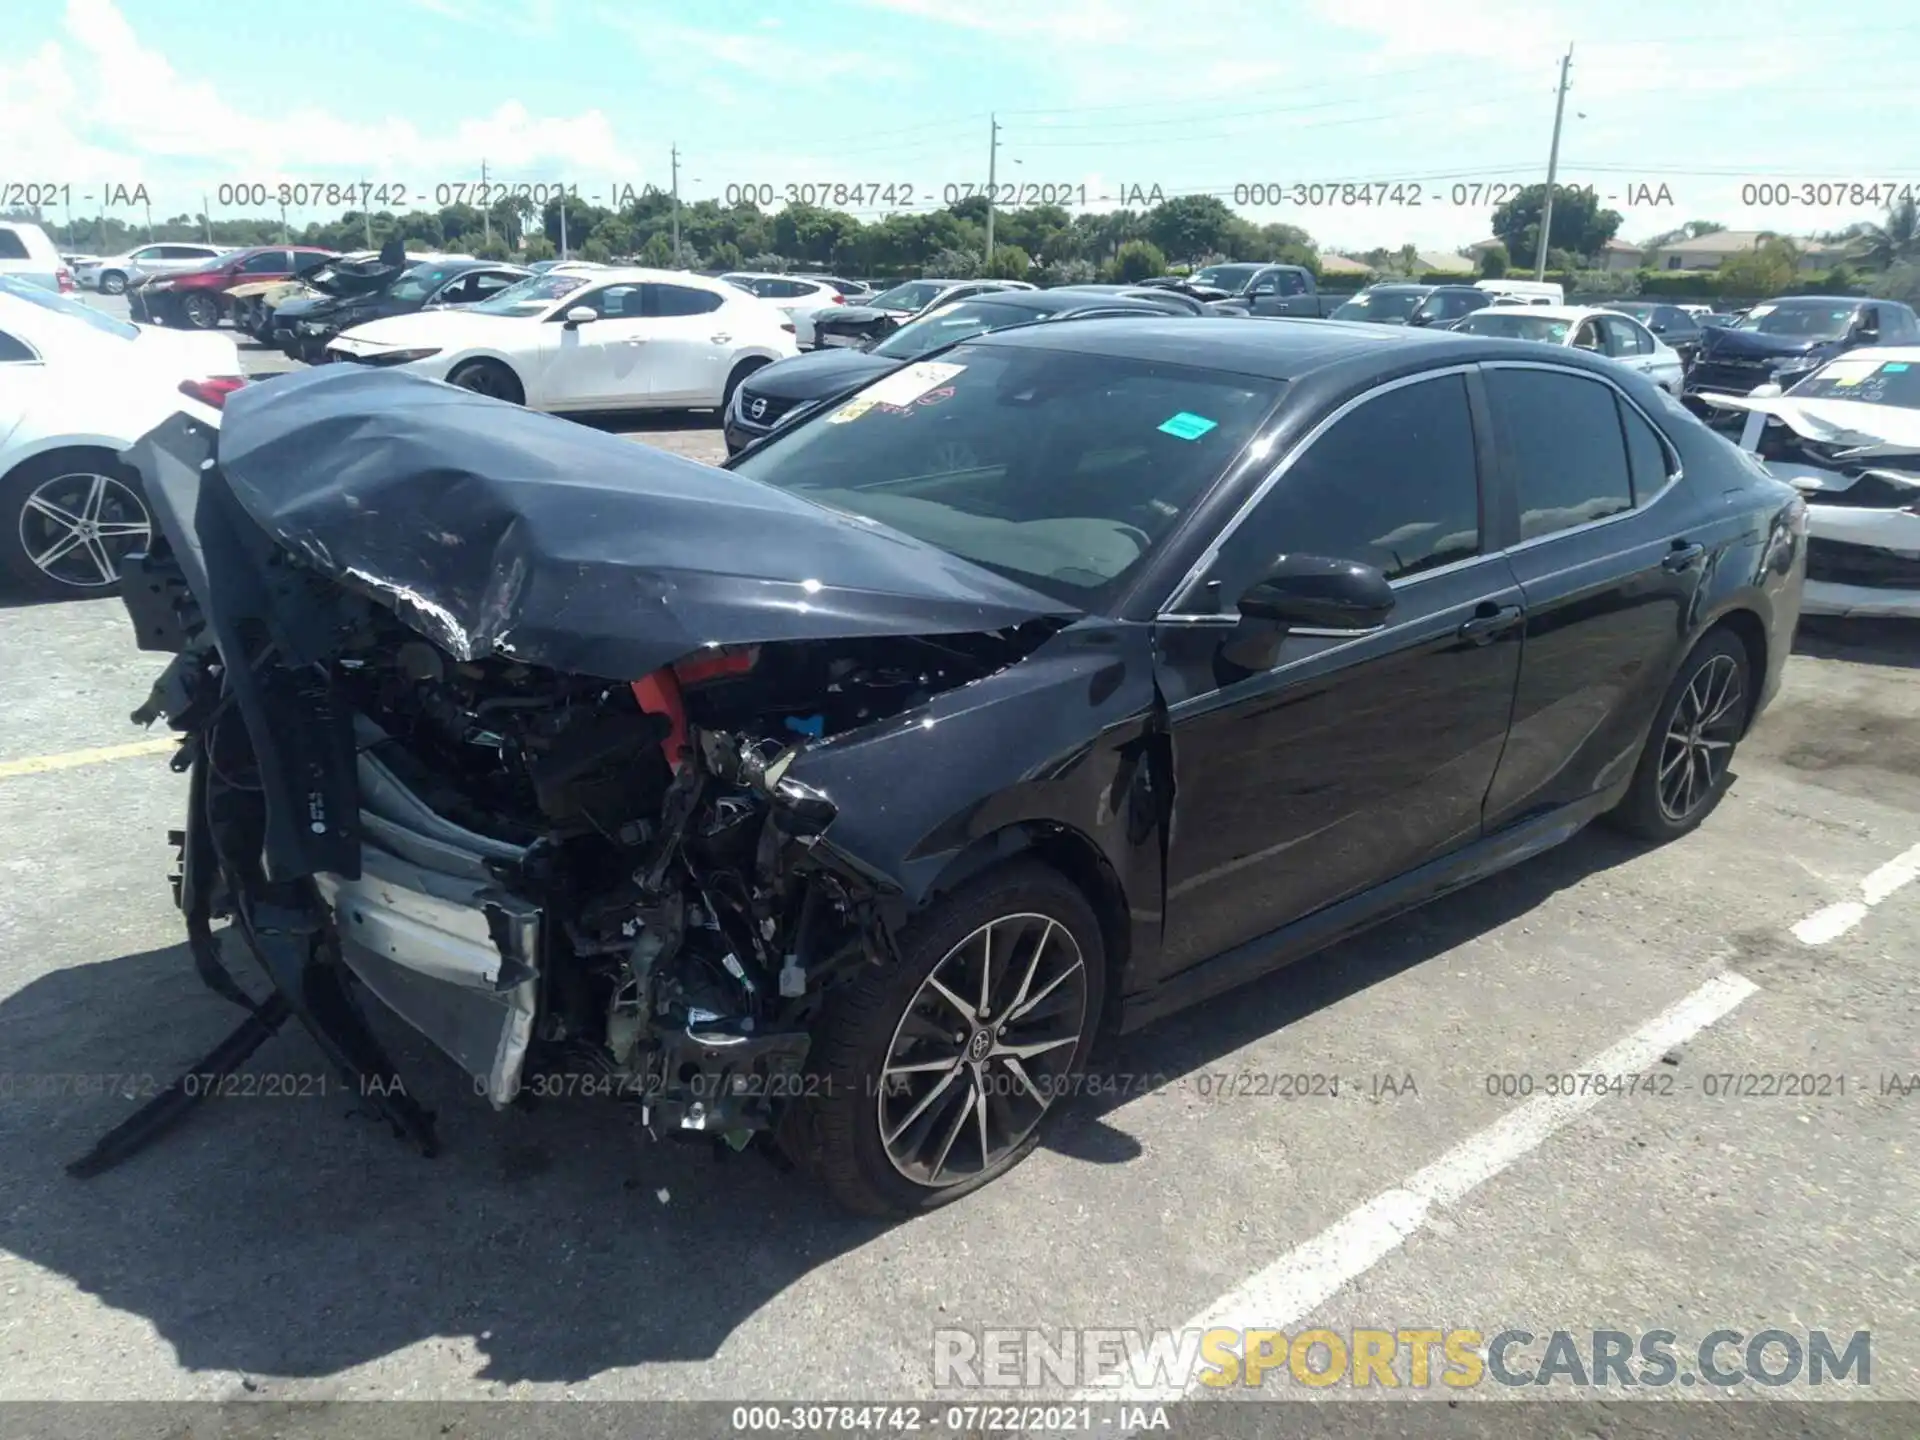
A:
{"x":839,"y":799}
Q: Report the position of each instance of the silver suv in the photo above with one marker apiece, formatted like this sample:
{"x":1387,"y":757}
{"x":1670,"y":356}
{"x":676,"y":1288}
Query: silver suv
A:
{"x":112,"y":275}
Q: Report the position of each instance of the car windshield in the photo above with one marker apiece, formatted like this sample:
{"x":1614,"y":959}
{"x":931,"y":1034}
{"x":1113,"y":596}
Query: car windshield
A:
{"x":1514,"y":325}
{"x":532,"y":296}
{"x":1223,"y":277}
{"x":914,"y":295}
{"x":949,"y":323}
{"x":1871,"y":382}
{"x":1820,"y":321}
{"x":421,"y":281}
{"x":1381,"y":305}
{"x":1060,"y":470}
{"x":60,"y":305}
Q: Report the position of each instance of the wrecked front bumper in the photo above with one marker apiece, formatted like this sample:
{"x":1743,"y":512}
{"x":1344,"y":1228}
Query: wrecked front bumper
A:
{"x":427,"y":928}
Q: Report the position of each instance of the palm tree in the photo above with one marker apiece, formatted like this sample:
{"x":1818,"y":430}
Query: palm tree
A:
{"x":1897,"y":238}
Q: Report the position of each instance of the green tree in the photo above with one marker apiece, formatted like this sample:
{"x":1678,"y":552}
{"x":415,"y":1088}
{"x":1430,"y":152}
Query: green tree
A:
{"x":1138,"y":260}
{"x":1580,"y":225}
{"x":1763,"y":271}
{"x":1494,"y":261}
{"x":1190,"y":225}
{"x":1899,"y":282}
{"x":1893,"y":240}
{"x":538,"y":247}
{"x":657,"y":252}
{"x":1009,"y":262}
{"x":494,"y":249}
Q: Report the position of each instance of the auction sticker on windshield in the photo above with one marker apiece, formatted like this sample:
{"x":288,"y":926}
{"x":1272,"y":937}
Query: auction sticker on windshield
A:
{"x":1849,"y":372}
{"x":903,"y":387}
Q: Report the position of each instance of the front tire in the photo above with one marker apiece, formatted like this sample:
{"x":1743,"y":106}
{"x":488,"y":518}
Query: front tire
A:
{"x":1684,"y":766}
{"x":200,"y":311}
{"x":68,"y":520}
{"x":935,"y":1077}
{"x":490,"y":378}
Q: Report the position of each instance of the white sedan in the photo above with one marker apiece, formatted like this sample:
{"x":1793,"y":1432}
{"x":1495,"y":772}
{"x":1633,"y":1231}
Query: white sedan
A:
{"x":1848,"y":438}
{"x":798,"y":297}
{"x":1619,"y":337}
{"x":76,"y":388}
{"x":608,"y":340}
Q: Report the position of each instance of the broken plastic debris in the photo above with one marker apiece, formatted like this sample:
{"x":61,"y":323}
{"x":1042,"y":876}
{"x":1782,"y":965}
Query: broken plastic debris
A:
{"x":661,"y":1195}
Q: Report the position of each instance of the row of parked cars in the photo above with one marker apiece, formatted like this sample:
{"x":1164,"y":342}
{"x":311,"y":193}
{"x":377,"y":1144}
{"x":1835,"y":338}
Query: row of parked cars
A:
{"x":575,"y":337}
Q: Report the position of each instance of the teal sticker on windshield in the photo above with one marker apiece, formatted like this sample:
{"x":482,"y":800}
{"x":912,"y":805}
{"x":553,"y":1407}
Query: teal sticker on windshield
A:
{"x":1188,"y":426}
{"x":1894,"y":367}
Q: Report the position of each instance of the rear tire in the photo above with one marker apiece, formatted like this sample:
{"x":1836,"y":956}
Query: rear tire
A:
{"x":884,"y":1126}
{"x":44,"y":503}
{"x":490,"y":378}
{"x":1684,"y":765}
{"x":113,"y":282}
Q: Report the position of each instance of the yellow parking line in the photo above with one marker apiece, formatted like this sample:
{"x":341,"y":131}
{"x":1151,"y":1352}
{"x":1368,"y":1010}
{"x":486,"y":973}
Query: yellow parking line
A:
{"x":73,"y":759}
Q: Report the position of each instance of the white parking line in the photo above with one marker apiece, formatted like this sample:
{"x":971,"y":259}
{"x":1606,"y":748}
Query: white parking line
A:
{"x":1834,"y":921}
{"x":1309,"y":1275}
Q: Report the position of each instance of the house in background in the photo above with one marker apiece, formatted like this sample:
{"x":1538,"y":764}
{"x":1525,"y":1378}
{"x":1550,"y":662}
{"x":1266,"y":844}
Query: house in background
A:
{"x":1435,"y":262}
{"x":1331,"y":265}
{"x":1709,"y":252}
{"x":1619,"y":255}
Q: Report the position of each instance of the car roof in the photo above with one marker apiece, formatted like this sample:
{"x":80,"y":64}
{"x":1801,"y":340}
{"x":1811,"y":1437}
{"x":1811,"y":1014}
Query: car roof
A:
{"x":1052,"y":302}
{"x":1273,"y":348}
{"x":1556,"y":312}
{"x":632,"y":274}
{"x":1897,"y":353}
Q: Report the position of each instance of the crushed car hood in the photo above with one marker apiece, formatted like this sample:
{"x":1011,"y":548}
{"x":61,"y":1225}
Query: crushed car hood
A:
{"x":491,"y":529}
{"x":1847,"y":448}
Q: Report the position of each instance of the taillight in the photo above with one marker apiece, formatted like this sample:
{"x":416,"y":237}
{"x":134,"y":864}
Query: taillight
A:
{"x":839,"y":299}
{"x":213,"y":390}
{"x":64,"y":277}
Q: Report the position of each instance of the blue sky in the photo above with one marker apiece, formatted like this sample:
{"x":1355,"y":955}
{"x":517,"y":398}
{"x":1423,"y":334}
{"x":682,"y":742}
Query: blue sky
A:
{"x":1188,"y":95}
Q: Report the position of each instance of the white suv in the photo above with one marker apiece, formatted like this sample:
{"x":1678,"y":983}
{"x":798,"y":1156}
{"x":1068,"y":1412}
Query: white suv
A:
{"x":27,"y":254}
{"x":795,"y":296}
{"x":112,"y":275}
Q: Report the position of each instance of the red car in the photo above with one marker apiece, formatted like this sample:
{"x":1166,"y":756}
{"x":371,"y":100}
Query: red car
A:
{"x":196,"y":298}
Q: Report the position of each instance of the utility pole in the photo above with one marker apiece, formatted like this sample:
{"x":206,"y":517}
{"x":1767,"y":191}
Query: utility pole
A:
{"x":486,"y":215}
{"x":283,"y":223}
{"x":149,"y":222}
{"x":563,"y":226}
{"x":676,"y":205}
{"x":993,"y":155}
{"x":1553,"y":169}
{"x":206,"y":217}
{"x":366,"y":210}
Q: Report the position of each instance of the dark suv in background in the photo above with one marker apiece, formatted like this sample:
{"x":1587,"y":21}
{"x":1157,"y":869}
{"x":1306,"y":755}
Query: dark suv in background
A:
{"x":1679,"y":330}
{"x":196,"y":298}
{"x":1786,"y":340}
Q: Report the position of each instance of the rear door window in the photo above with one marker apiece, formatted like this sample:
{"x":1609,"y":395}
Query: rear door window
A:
{"x":1565,"y":443}
{"x":12,"y":247}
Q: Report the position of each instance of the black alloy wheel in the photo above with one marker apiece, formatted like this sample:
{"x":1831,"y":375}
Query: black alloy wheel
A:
{"x":1688,"y":757}
{"x":933,"y":1077}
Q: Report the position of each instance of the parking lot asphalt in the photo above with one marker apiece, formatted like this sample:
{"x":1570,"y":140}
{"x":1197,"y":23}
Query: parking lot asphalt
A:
{"x":283,"y":1245}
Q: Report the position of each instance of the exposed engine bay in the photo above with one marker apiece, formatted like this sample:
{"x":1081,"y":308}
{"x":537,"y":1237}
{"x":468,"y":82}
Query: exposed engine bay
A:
{"x":466,"y":731}
{"x":608,"y":888}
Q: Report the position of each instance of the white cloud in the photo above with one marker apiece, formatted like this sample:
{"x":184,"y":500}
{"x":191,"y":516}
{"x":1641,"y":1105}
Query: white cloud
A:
{"x":99,"y":105}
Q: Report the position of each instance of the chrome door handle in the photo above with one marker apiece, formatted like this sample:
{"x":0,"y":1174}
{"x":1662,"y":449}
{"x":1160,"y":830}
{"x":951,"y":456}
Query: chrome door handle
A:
{"x":720,"y":339}
{"x":1682,"y":556}
{"x":1492,"y":622}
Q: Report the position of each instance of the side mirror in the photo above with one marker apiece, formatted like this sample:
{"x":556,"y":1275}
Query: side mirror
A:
{"x":581,"y":315}
{"x":1315,"y":592}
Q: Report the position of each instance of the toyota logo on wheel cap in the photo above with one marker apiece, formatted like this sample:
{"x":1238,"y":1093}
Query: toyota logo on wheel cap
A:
{"x":757,"y":409}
